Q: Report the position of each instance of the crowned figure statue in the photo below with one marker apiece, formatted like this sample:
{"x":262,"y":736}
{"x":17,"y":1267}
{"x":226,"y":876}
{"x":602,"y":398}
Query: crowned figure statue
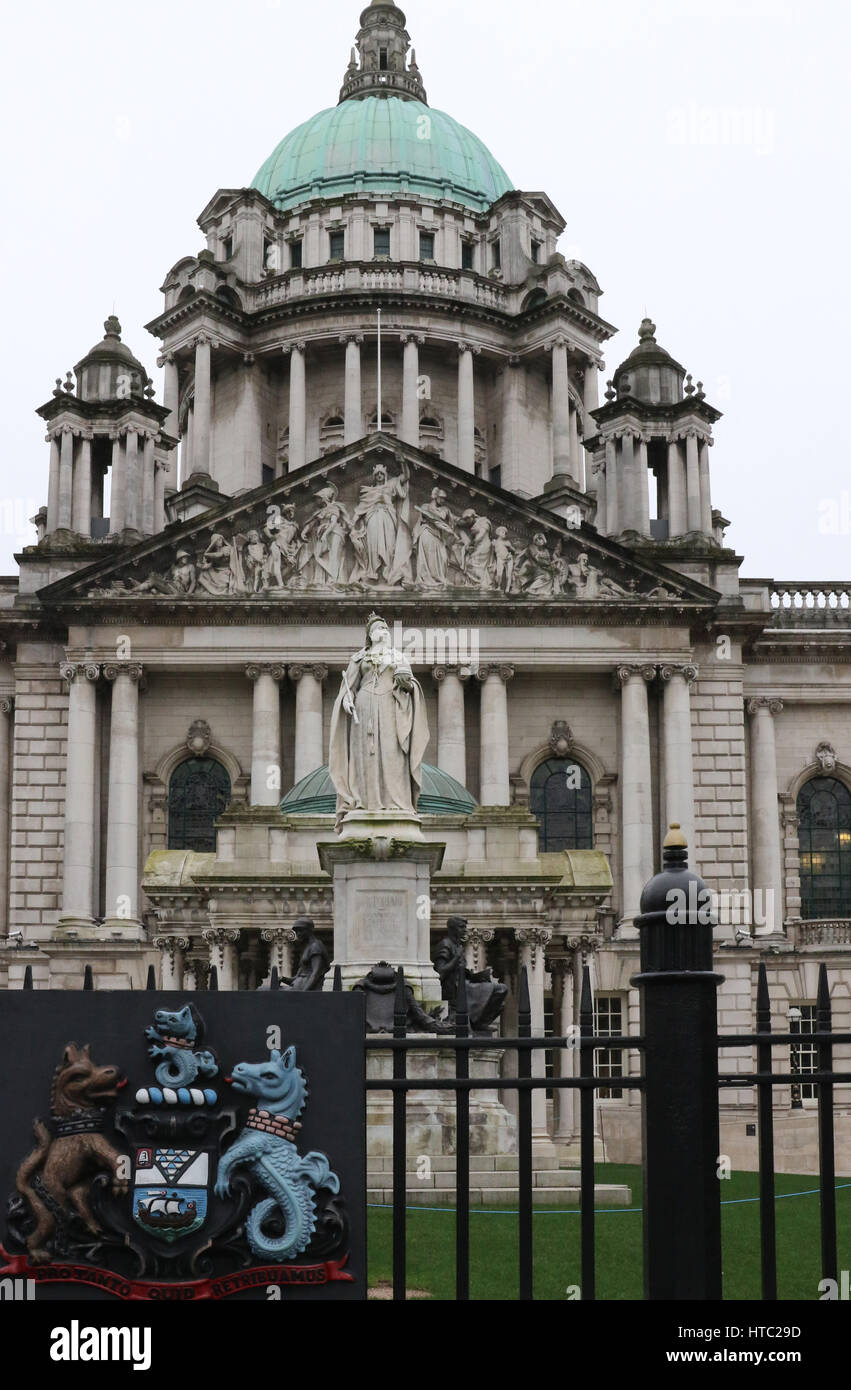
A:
{"x":379,"y":730}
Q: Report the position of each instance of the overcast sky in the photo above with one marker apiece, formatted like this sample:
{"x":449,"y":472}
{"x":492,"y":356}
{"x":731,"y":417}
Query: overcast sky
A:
{"x":698,"y":150}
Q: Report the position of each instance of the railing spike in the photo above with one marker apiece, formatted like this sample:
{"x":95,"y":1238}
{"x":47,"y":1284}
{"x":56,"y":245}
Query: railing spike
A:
{"x":586,"y":999}
{"x":274,"y":981}
{"x":88,"y":978}
{"x":213,"y":984}
{"x":763,"y":1001}
{"x":151,"y":982}
{"x":338,"y":980}
{"x":823,"y":996}
{"x":28,"y":977}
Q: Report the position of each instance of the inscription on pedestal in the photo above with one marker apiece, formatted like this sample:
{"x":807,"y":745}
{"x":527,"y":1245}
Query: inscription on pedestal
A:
{"x":380,"y":922}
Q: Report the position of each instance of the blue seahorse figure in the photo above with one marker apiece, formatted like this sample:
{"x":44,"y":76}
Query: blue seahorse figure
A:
{"x":266,"y":1147}
{"x":175,"y":1037}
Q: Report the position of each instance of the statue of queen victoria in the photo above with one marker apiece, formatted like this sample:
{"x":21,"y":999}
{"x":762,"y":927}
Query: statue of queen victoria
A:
{"x":379,"y":730}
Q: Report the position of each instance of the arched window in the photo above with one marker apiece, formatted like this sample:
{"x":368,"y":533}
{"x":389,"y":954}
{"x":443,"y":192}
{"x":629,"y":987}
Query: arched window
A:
{"x":560,"y":798}
{"x":198,"y":793}
{"x":824,"y":840}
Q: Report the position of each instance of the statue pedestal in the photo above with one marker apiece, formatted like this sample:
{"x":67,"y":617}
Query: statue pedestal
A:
{"x":381,"y":869}
{"x":430,"y":1125}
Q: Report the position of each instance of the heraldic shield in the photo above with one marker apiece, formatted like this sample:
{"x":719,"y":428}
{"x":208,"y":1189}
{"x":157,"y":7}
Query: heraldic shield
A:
{"x":170,"y":1191}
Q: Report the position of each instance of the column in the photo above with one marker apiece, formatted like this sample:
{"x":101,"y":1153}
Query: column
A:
{"x":66,"y":478}
{"x":466,"y":410}
{"x":203,"y":406}
{"x":266,"y":735}
{"x":298,"y":406}
{"x":162,"y":472}
{"x":705,"y":490}
{"x":451,"y":729}
{"x":118,"y":487}
{"x":53,"y":485}
{"x":677,"y":753}
{"x":533,"y":942}
{"x":172,"y":951}
{"x":309,"y":730}
{"x":765,"y":822}
{"x":148,"y":467}
{"x":78,"y":889}
{"x":280,"y":941}
{"x":171,"y":400}
{"x":562,"y":456}
{"x":628,"y":508}
{"x":131,"y":480}
{"x":692,"y":482}
{"x":577,"y":463}
{"x":7,"y":711}
{"x":222,"y":942}
{"x":495,"y":786}
{"x":353,"y":413}
{"x":635,"y":786}
{"x":561,"y":970}
{"x":511,"y":461}
{"x":590,"y":398}
{"x":81,"y":506}
{"x":677,"y":509}
{"x":614,"y":486}
{"x":642,"y":487}
{"x":409,"y":431}
{"x":122,"y":831}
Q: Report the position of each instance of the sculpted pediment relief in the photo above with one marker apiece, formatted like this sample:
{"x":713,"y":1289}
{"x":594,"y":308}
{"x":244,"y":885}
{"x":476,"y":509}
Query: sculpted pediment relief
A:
{"x":382,"y":520}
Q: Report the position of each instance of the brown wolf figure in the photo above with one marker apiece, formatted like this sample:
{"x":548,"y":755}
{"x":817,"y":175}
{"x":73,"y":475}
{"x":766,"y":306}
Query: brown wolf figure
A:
{"x":67,"y":1160}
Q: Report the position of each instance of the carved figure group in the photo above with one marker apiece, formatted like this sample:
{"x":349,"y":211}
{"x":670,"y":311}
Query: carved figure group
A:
{"x":384,"y":538}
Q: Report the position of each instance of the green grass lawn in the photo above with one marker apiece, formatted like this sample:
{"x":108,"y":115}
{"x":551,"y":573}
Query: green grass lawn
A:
{"x":493,"y":1242}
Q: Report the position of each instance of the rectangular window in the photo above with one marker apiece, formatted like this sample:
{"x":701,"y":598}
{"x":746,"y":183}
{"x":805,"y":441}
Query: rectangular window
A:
{"x":496,"y":254}
{"x":609,"y":1063}
{"x":381,"y":241}
{"x":536,"y":251}
{"x":382,"y":59}
{"x":803,"y":1056}
{"x":336,"y":245}
{"x":227,"y":248}
{"x":466,"y":255}
{"x":426,"y":246}
{"x":296,"y":253}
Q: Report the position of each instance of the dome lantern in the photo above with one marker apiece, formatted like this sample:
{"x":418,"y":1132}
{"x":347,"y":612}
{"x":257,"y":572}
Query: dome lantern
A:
{"x":382,"y":47}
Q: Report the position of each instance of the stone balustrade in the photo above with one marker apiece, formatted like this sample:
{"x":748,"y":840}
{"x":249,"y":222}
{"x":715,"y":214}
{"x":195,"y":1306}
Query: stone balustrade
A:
{"x":817,"y":605}
{"x":366,"y":276}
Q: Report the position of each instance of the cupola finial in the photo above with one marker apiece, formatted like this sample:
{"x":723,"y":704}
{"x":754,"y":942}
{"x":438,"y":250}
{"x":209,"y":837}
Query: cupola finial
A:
{"x":382,"y":50}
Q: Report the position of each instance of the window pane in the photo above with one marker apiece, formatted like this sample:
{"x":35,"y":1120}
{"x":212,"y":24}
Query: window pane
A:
{"x":561,"y":799}
{"x":824,"y":838}
{"x":382,"y":241}
{"x":426,"y":246}
{"x":198,"y":793}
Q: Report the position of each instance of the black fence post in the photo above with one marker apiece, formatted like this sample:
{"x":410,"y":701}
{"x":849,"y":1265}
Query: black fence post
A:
{"x":682,"y":1199}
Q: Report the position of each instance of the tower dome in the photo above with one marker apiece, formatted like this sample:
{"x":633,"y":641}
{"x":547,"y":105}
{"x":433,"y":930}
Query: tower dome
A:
{"x":382,"y":137}
{"x":109,"y":371}
{"x":650,"y":374}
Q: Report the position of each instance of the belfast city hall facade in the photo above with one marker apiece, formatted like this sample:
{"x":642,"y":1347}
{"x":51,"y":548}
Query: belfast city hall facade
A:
{"x":384,"y":390}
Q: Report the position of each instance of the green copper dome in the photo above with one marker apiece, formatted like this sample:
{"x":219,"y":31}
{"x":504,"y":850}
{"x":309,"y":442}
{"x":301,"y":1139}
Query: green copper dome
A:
{"x":382,"y":145}
{"x":441,"y":795}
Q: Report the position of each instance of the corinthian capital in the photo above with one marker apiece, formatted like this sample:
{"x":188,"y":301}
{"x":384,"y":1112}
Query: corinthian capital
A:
{"x":79,"y":670}
{"x":688,"y":673}
{"x":256,"y":669}
{"x":134,"y":669}
{"x":764,"y":702}
{"x":628,"y":673}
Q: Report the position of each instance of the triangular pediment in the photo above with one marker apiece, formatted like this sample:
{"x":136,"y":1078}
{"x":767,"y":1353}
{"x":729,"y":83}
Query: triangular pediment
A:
{"x":377,"y":519}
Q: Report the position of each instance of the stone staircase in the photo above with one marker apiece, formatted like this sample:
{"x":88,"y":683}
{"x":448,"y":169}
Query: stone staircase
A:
{"x":493,"y":1182}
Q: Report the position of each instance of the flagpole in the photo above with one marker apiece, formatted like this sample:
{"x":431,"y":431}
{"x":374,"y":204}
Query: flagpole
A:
{"x":380,"y":422}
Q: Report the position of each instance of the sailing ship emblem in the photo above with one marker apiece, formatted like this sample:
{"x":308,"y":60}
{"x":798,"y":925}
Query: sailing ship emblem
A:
{"x":170,"y":1191}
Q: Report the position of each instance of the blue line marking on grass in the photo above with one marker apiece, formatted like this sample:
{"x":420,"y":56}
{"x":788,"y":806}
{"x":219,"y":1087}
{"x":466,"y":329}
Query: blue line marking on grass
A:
{"x":598,"y":1211}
